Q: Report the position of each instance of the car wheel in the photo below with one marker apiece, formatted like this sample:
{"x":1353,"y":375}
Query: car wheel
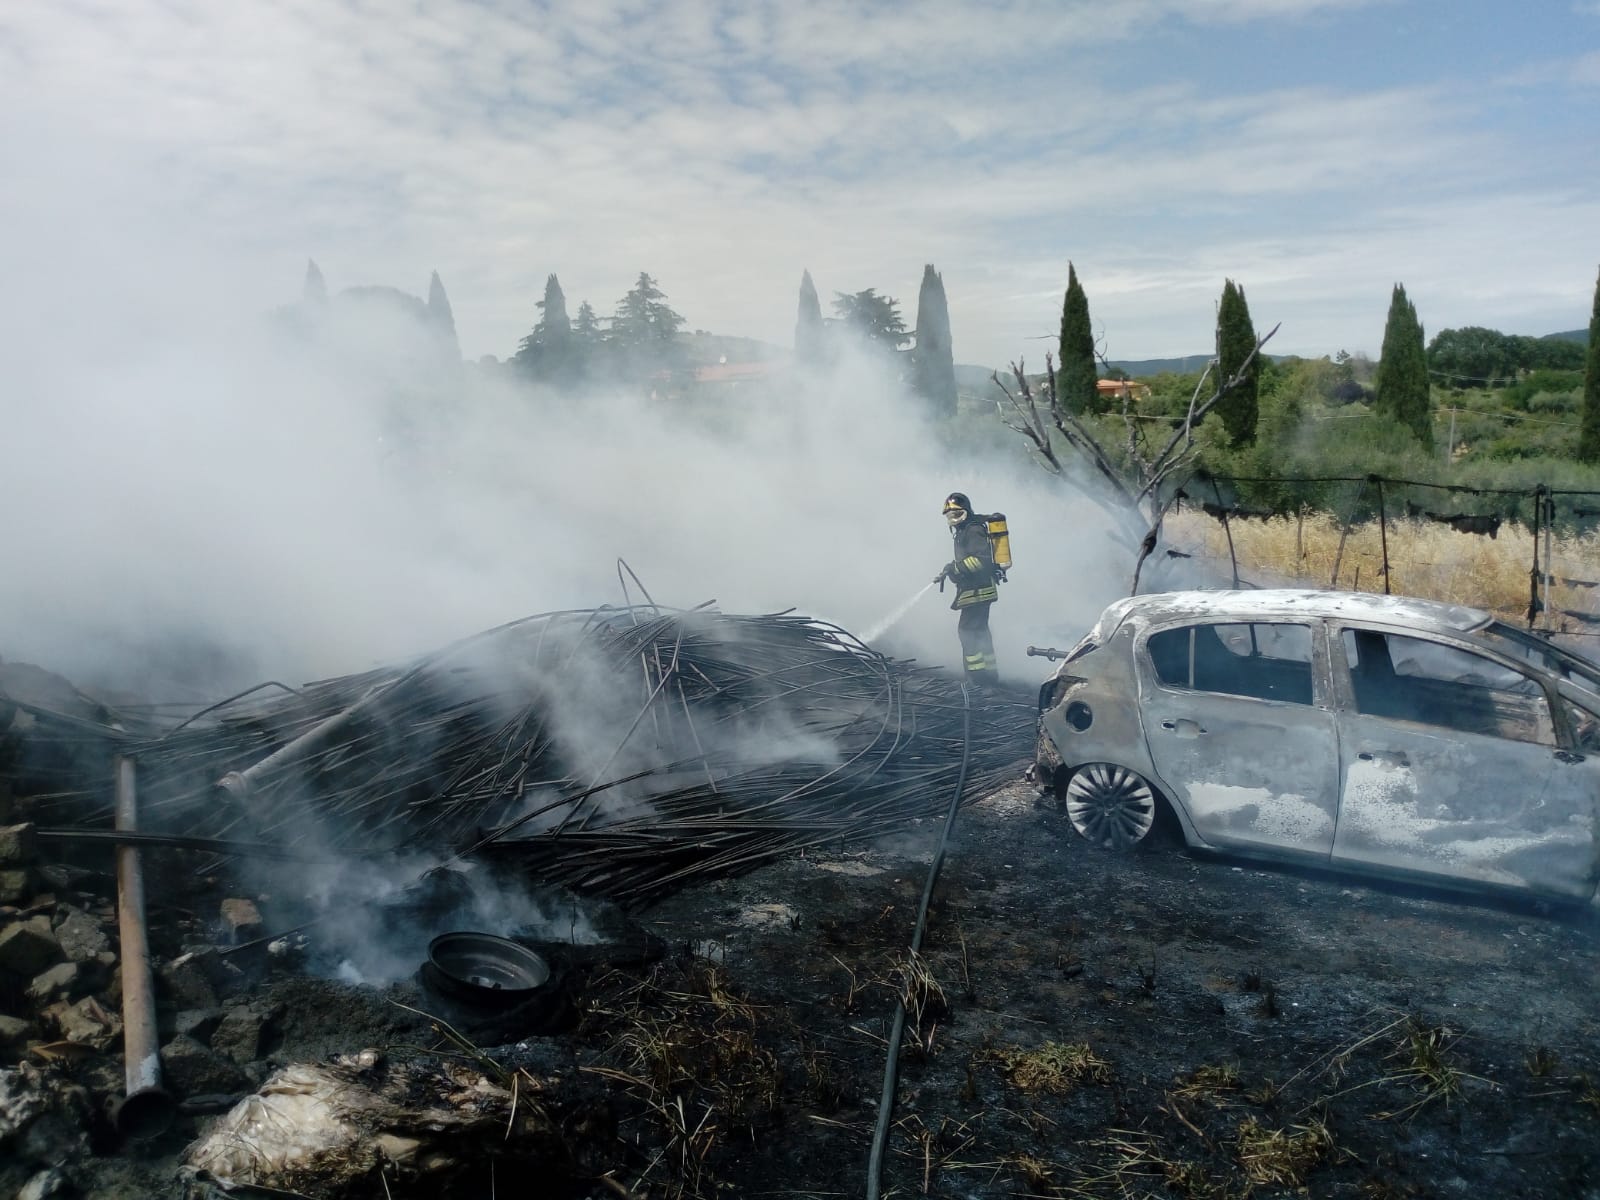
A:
{"x":1110,"y":806}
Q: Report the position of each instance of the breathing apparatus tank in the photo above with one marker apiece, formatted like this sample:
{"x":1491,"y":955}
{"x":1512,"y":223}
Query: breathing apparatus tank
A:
{"x":999,"y":540}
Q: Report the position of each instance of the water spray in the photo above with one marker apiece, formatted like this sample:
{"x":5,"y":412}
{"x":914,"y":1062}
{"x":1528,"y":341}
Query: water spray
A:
{"x":898,"y":615}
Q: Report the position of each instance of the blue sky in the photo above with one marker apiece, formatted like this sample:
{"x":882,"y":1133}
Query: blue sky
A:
{"x":1315,"y":151}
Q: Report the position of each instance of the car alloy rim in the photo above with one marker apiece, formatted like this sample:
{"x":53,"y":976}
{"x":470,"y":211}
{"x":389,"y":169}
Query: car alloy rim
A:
{"x":1110,"y":806}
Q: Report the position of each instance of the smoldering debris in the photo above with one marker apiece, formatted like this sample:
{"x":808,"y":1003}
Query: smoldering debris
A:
{"x":623,"y":752}
{"x":504,"y":783}
{"x":328,"y":1128}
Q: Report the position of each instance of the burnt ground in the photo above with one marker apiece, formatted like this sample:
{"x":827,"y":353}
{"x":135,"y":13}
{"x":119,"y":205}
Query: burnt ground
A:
{"x":1167,"y":1025}
{"x":1151,"y":1025}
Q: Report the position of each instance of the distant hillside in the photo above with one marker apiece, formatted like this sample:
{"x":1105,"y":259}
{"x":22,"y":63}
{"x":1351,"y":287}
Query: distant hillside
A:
{"x":970,"y":378}
{"x":1139,"y":368}
{"x":1144,"y":367}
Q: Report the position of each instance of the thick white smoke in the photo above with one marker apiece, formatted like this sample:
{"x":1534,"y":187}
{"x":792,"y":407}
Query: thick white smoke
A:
{"x":197,"y":497}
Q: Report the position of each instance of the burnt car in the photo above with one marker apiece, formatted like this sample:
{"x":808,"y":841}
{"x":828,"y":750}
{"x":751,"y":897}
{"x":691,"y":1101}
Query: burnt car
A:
{"x":1372,"y":733}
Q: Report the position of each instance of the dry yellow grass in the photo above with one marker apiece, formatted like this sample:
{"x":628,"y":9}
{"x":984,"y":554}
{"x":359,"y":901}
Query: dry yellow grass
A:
{"x":1425,"y":559}
{"x":1054,"y":1067}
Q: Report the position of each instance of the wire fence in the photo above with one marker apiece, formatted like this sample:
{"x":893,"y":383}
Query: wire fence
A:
{"x":1519,"y":563}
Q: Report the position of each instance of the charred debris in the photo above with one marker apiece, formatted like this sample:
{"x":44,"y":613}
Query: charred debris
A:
{"x":585,"y":762}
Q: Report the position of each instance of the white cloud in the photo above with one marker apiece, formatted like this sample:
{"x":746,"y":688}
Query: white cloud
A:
{"x":724,"y":147}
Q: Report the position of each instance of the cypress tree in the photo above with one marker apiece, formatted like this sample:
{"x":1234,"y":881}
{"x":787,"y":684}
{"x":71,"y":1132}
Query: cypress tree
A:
{"x":442,"y":318}
{"x":1236,"y":337}
{"x":808,"y":346}
{"x":1589,"y":435}
{"x":315,"y":290}
{"x":1402,"y":381}
{"x":547,"y":350}
{"x":933,"y":366}
{"x":588,"y":341}
{"x":1077,"y":373}
{"x":586,"y":326}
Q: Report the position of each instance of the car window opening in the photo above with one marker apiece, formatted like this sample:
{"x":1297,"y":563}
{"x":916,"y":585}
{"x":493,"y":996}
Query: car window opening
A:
{"x":1261,"y":661}
{"x":1585,"y":728}
{"x":1408,"y":679}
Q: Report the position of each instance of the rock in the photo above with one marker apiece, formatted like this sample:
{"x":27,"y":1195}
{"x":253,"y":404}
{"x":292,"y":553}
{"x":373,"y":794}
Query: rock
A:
{"x":18,"y":847}
{"x":198,"y":1023}
{"x":239,"y":1035}
{"x":22,"y":1101}
{"x":14,"y":1036}
{"x":57,"y":983}
{"x":87,"y":1022}
{"x":111,"y":992}
{"x":185,"y":984}
{"x":59,"y":877}
{"x":17,"y":884}
{"x":190,"y":1069}
{"x":81,"y":936}
{"x":43,"y":1119}
{"x":224,"y":975}
{"x":51,"y":1184}
{"x":27,"y":947}
{"x":241,"y":918}
{"x":401,"y":1151}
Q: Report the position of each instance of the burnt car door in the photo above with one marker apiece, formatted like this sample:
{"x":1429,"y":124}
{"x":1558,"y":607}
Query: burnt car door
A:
{"x":1455,"y":763}
{"x":1242,"y":734}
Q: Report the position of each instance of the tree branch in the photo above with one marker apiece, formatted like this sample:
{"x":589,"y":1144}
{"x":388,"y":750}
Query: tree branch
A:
{"x":1178,"y":454}
{"x":1163,"y":462}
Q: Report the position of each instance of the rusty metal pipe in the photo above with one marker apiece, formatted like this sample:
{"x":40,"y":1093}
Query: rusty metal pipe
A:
{"x":146,"y":1110}
{"x":239,"y":784}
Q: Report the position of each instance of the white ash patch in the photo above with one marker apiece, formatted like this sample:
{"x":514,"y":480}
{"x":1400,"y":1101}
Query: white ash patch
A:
{"x":769,"y":916}
{"x":1011,"y":800}
{"x":853,"y":867}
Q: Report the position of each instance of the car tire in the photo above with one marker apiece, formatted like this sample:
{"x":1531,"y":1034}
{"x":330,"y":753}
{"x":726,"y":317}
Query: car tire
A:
{"x":1110,"y":807}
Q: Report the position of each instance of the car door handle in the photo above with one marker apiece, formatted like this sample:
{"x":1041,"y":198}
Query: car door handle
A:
{"x":1393,"y":758}
{"x":1567,"y":756}
{"x":1184,"y":728}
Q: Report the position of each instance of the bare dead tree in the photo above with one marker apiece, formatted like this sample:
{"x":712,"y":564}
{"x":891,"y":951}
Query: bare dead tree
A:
{"x":1134,"y":495}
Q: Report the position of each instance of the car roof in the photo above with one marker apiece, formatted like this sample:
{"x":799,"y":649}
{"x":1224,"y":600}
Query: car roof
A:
{"x":1278,"y":603}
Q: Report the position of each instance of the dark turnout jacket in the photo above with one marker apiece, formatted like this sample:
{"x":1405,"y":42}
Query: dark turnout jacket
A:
{"x":973,"y":570}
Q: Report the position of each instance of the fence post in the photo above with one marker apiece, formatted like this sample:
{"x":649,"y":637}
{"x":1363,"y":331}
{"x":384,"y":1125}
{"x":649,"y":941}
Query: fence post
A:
{"x":1338,"y":556}
{"x":1383,"y":532}
{"x":1533,"y":574}
{"x":1222,"y":508}
{"x":1549,"y":552}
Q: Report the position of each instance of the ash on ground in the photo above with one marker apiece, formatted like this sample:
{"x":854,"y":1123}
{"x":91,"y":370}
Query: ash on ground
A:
{"x":1081,"y":1025}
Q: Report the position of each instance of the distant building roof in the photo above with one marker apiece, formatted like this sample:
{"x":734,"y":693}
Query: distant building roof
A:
{"x":1117,"y":387}
{"x":734,"y":372}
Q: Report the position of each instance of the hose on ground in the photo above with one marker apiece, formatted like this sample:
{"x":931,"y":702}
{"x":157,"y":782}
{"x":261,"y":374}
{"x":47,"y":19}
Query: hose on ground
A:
{"x":891,"y":1068}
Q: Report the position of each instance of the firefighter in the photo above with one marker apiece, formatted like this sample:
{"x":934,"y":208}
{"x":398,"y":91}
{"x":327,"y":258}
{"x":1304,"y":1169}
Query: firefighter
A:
{"x":973,"y":572}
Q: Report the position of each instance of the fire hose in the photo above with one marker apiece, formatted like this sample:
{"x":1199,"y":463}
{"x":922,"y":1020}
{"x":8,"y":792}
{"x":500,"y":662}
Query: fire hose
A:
{"x":880,"y":1135}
